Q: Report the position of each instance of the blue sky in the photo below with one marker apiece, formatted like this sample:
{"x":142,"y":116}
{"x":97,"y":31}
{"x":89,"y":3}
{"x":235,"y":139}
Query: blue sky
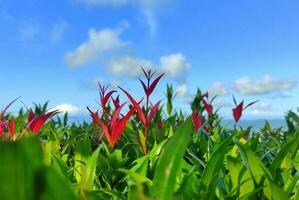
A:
{"x":57,"y":50}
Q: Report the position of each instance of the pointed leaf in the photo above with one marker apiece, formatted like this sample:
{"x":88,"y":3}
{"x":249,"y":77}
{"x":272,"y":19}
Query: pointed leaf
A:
{"x":144,"y":87}
{"x":137,"y":107}
{"x":169,"y":163}
{"x":153,"y":112}
{"x":11,"y":128}
{"x":154,"y":84}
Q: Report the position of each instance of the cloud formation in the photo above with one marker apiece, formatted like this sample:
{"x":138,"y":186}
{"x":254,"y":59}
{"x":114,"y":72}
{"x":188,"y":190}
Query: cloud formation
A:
{"x":182,"y":90}
{"x":218,"y":89}
{"x":174,"y":65}
{"x":266,"y":85}
{"x":69,"y":108}
{"x":98,"y":42}
{"x":221,"y":103}
{"x":261,"y":106}
{"x":128,"y":65}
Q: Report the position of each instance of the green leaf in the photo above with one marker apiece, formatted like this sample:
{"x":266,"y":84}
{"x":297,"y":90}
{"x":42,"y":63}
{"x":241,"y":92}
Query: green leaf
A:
{"x":277,"y":193}
{"x":91,"y":165}
{"x":259,"y":172}
{"x":141,"y":137}
{"x":240,"y":178}
{"x":213,"y":167}
{"x":170,"y":134}
{"x":252,"y":163}
{"x":281,"y":156}
{"x":170,"y":161}
{"x":139,"y":178}
{"x":23,"y":175}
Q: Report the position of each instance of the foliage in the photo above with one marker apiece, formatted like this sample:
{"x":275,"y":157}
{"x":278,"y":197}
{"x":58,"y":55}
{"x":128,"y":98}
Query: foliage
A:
{"x":147,"y":153}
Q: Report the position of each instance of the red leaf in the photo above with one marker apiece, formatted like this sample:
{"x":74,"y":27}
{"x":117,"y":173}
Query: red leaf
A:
{"x":206,"y":95}
{"x":31,"y":118}
{"x":39,"y":122}
{"x":140,"y":113}
{"x":144,"y":87}
{"x":96,"y":120}
{"x":154,"y":84}
{"x":116,"y":102}
{"x":197,"y":120}
{"x":153,"y":112}
{"x":94,"y":115}
{"x":2,"y":126}
{"x":115,"y":115}
{"x":106,"y":98}
{"x":208,"y":107}
{"x":237,"y":112}
{"x":120,"y":126}
{"x":145,"y":73}
{"x":11,"y":128}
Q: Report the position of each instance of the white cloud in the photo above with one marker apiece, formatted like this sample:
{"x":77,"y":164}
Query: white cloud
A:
{"x":266,"y":85}
{"x":218,"y":89}
{"x":98,"y":42}
{"x":264,"y":114}
{"x":182,"y":90}
{"x":260,"y":106}
{"x":69,"y":108}
{"x":221,"y":103}
{"x":175,"y":64}
{"x":263,"y":110}
{"x":58,"y":31}
{"x":128,"y":65}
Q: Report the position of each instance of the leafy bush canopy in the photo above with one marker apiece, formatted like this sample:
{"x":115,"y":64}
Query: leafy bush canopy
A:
{"x":151,"y":151}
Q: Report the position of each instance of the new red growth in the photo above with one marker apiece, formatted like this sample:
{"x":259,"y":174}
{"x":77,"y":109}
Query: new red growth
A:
{"x":35,"y":123}
{"x":238,"y":110}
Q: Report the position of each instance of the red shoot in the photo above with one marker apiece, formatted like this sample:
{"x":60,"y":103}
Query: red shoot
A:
{"x":208,"y":107}
{"x":136,"y":105}
{"x":11,"y":128}
{"x":146,"y":116}
{"x":104,"y":98}
{"x":149,"y":87}
{"x":116,"y":102}
{"x":4,"y":124}
{"x":197,"y":120}
{"x":238,"y":110}
{"x":153,"y":112}
{"x":114,"y":129}
{"x":35,"y":123}
{"x":2,"y":127}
